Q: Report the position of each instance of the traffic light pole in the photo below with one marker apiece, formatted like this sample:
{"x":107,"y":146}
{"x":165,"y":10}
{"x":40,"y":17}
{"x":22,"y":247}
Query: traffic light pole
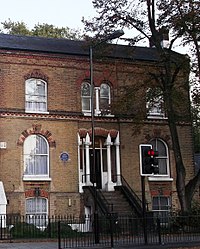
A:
{"x":144,"y":208}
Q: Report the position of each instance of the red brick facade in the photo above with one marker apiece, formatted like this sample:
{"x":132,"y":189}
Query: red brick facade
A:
{"x":63,"y":122}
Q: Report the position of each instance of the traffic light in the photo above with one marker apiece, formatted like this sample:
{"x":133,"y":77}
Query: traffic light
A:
{"x":148,"y":160}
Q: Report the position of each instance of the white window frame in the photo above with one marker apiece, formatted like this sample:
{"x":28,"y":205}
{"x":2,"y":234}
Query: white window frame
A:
{"x":103,"y":110}
{"x":86,"y":98}
{"x":36,"y":215}
{"x":161,"y":177}
{"x":30,"y":176}
{"x":97,"y":98}
{"x":33,"y":101}
{"x":160,"y":210}
{"x":155,"y":106}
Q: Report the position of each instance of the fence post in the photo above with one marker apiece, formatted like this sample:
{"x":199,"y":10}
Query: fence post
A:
{"x":59,"y":236}
{"x":49,"y":227}
{"x":159,"y":231}
{"x":111,"y":230}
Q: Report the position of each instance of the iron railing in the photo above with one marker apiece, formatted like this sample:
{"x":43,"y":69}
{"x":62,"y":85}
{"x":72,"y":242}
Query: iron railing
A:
{"x":114,"y":231}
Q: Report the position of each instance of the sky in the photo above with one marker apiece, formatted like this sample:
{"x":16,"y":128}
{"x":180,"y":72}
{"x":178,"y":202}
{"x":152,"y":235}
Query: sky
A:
{"x":60,"y":13}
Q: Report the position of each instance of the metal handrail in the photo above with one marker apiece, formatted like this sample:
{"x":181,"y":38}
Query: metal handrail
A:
{"x":132,"y":197}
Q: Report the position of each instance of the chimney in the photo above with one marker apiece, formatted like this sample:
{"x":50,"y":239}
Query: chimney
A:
{"x":164,"y":37}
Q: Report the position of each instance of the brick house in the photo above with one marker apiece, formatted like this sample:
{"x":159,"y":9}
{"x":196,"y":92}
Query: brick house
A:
{"x":45,"y":135}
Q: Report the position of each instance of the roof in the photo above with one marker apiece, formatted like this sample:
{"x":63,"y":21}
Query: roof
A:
{"x":72,"y":47}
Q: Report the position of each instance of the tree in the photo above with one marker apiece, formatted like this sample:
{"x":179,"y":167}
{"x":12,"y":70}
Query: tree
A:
{"x":183,"y":18}
{"x":140,"y":16}
{"x":44,"y":30}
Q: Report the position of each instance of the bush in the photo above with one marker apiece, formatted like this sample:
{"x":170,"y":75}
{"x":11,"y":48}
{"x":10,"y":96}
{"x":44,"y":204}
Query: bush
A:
{"x":25,"y":230}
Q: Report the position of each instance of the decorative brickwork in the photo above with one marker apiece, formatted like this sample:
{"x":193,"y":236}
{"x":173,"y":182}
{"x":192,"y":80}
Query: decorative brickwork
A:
{"x":36,"y":73}
{"x":36,"y":129}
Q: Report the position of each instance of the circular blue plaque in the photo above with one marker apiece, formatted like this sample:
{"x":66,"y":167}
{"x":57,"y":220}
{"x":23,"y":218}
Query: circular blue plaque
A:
{"x":64,"y":156}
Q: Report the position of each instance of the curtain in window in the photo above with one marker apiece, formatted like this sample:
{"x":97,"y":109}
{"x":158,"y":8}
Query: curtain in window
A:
{"x":86,"y":97}
{"x":155,"y":102}
{"x":161,"y":206}
{"x":36,"y":155}
{"x":36,"y":97}
{"x":37,"y":211}
{"x":104,"y":96}
{"x":159,"y":146}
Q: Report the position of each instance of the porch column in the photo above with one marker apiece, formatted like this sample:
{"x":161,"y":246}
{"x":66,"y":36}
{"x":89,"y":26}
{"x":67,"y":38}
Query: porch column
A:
{"x":87,"y":159}
{"x":109,"y":183}
{"x":118,"y":168}
{"x":97,"y":111}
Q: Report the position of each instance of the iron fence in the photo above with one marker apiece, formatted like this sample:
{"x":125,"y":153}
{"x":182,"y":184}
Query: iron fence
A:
{"x":113,"y":230}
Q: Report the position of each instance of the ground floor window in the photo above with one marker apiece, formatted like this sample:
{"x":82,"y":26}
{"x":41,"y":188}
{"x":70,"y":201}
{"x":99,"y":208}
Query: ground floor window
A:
{"x":161,"y":206}
{"x":37,"y":211}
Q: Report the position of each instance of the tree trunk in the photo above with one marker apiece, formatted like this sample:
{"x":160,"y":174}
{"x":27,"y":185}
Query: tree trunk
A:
{"x":180,"y":169}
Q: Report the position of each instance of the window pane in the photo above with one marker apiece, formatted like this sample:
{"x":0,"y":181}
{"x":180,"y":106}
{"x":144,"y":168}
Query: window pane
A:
{"x":159,"y":146}
{"x":37,"y":211}
{"x":154,"y":100}
{"x":104,"y":96}
{"x":36,"y":97}
{"x":86,"y":96}
{"x":35,"y":155}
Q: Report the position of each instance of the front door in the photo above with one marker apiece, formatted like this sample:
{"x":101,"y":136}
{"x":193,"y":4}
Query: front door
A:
{"x":96,"y":169}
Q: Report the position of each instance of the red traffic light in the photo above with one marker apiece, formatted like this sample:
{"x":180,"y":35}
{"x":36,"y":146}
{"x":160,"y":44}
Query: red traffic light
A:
{"x":152,"y":153}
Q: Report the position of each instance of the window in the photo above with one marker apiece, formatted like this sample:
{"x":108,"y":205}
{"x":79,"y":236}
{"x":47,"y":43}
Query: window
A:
{"x":86,"y":97}
{"x":102,"y":98}
{"x":163,"y":161}
{"x":37,"y":211}
{"x":36,"y":95}
{"x":36,"y":157}
{"x":161,"y":206}
{"x":155,"y":103}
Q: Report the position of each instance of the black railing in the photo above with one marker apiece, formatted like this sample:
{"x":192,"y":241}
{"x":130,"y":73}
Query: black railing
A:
{"x":100,"y":200}
{"x":129,"y":231}
{"x":130,"y":195}
{"x":114,"y":231}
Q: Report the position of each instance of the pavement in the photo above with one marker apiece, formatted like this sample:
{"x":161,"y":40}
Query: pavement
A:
{"x":54,"y":245}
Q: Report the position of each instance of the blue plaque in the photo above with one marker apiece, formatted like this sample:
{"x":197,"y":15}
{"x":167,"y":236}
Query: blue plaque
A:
{"x":64,"y":156}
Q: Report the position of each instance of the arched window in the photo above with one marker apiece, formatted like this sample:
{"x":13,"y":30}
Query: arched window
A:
{"x":35,"y":95}
{"x":104,"y":97}
{"x":86,"y":97}
{"x":101,"y":98}
{"x":163,"y":156}
{"x":37,"y":211}
{"x":36,"y":157}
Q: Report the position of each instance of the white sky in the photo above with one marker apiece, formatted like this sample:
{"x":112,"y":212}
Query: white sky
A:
{"x":60,"y":13}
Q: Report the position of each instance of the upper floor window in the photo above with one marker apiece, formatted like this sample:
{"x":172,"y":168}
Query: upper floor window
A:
{"x":36,"y":157}
{"x":86,"y":97}
{"x":101,"y":98}
{"x":104,"y":97}
{"x":163,"y":157}
{"x":155,"y":103}
{"x":36,"y":95}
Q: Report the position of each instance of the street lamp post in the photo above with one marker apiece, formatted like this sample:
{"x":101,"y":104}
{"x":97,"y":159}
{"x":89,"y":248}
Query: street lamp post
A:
{"x":112,"y":36}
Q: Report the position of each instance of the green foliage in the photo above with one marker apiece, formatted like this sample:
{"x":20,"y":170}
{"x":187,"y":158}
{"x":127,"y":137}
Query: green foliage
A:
{"x":65,"y":230}
{"x":43,"y":30}
{"x":25,"y":230}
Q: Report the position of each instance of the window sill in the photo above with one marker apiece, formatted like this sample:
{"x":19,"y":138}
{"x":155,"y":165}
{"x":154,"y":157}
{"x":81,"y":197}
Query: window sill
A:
{"x":36,"y":178}
{"x":156,"y":116}
{"x":160,"y":178}
{"x":88,"y":114}
{"x":38,"y":112}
